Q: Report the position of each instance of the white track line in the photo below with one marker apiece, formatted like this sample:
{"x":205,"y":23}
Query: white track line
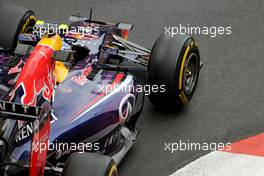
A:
{"x":244,"y":158}
{"x":224,"y":164}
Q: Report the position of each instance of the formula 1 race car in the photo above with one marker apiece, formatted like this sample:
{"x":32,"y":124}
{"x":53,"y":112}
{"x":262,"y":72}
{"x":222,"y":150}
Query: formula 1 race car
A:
{"x":69,"y":97}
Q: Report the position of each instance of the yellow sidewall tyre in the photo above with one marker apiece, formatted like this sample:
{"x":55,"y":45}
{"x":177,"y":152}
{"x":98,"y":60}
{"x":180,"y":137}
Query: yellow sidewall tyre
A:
{"x":113,"y":170}
{"x":14,"y":20}
{"x":89,"y":164}
{"x":170,"y":60}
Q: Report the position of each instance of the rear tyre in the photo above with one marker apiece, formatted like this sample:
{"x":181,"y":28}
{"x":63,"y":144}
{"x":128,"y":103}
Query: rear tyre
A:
{"x":174,"y":64}
{"x":89,"y":164}
{"x":14,"y":20}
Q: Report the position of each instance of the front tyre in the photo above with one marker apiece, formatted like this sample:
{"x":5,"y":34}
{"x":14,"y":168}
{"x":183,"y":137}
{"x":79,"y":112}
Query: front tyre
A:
{"x":174,"y":64}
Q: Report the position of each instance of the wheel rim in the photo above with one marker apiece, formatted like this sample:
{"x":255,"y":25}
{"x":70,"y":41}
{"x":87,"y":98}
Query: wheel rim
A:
{"x":190,"y":73}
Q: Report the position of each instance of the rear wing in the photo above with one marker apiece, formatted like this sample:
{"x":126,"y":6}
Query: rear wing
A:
{"x":16,"y":111}
{"x":41,"y":133}
{"x":122,"y":26}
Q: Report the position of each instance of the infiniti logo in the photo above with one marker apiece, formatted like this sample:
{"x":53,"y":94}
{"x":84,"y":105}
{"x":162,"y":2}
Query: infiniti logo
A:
{"x":126,"y":106}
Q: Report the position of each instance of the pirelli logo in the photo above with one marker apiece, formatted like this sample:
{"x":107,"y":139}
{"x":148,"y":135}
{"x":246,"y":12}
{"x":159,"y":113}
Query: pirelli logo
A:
{"x":18,"y":112}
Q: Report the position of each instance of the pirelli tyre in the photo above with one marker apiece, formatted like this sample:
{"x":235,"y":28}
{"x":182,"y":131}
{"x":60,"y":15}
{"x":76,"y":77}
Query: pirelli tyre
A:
{"x":14,"y":20}
{"x":89,"y":164}
{"x":174,"y":64}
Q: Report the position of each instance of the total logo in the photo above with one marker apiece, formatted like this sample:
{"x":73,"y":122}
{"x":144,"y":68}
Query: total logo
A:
{"x":126,"y":106}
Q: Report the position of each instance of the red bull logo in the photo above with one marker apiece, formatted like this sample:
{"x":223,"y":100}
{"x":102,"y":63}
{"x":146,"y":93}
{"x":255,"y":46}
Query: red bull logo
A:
{"x":82,"y":79}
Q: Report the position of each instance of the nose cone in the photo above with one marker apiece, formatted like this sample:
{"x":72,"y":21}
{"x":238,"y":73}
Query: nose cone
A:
{"x":53,"y":42}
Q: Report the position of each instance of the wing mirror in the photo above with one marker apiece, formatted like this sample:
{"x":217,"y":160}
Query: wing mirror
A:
{"x":125,"y":26}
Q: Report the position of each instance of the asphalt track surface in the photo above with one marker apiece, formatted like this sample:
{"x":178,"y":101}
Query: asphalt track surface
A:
{"x":228,"y":103}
